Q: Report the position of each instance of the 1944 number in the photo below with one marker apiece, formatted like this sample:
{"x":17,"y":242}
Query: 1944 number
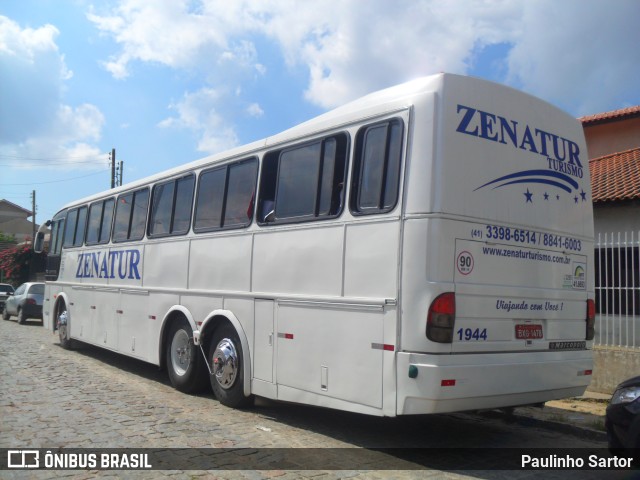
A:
{"x":468,"y":334}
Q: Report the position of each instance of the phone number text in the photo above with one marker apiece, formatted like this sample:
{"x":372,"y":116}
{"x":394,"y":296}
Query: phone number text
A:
{"x":521,"y":235}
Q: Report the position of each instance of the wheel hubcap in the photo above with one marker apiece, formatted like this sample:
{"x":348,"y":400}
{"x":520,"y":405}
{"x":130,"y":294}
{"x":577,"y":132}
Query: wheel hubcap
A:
{"x":62,"y":325}
{"x":225,"y":363}
{"x":180,"y":352}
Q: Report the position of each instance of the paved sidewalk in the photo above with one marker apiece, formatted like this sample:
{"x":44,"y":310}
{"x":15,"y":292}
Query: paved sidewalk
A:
{"x":582,"y":415}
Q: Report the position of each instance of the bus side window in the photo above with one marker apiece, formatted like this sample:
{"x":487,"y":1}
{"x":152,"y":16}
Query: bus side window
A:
{"x":81,"y":227}
{"x":131,"y":216}
{"x":210,"y":199}
{"x":139,"y":214}
{"x":375,"y":184}
{"x":171,"y":207}
{"x":57,"y":231}
{"x":100,"y":216}
{"x":107,"y":220}
{"x":75,"y":227}
{"x":241,"y":188}
{"x":183,"y":205}
{"x":304,"y":182}
{"x":268,"y":180}
{"x":225,"y":196}
{"x":70,"y":229}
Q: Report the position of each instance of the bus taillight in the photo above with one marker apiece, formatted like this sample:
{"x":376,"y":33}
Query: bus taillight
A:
{"x":591,"y":319}
{"x":441,"y":317}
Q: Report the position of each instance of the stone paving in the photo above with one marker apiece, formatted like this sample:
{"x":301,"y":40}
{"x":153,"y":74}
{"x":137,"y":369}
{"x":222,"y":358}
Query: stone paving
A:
{"x":93,"y":398}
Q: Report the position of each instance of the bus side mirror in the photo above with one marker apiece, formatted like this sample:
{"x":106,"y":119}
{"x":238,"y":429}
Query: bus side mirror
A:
{"x":38,"y":245}
{"x":38,"y":242}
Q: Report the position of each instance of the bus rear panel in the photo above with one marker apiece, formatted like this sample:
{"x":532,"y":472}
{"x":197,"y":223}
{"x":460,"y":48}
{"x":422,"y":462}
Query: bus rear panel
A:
{"x":497,"y":276}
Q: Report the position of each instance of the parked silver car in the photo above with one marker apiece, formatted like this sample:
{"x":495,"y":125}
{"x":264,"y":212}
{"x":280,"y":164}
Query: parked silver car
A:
{"x":25,"y":303}
{"x":5,"y":290}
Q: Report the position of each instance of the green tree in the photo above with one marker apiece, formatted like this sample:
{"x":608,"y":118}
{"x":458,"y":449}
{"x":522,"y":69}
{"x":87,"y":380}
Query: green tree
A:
{"x":7,"y":238}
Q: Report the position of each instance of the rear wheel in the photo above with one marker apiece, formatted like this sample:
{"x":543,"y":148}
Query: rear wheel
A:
{"x":184,"y":362}
{"x":63,"y":323}
{"x":21,"y":317}
{"x":227,"y":365}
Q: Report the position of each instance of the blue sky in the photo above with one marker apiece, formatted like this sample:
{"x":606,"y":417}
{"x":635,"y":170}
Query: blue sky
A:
{"x":165,"y":83}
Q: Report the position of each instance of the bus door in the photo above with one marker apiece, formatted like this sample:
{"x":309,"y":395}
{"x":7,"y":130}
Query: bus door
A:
{"x":55,"y":247}
{"x":53,"y":269}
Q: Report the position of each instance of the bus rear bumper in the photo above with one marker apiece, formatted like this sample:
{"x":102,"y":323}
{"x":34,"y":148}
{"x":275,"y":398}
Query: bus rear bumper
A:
{"x":454,"y":383}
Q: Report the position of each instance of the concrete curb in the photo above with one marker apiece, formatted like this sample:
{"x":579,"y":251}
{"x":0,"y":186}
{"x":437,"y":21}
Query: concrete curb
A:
{"x":521,"y":418}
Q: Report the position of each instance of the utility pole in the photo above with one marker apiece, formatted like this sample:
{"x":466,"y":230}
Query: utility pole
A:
{"x":121,"y":172}
{"x":33,"y":215}
{"x":113,"y":167}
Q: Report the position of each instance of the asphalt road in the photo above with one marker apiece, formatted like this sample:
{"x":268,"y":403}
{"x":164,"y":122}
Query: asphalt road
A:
{"x":92,"y":398}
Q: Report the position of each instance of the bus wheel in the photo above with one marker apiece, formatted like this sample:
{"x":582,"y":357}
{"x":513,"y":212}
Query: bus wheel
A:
{"x":227,"y":377}
{"x":184,"y":362}
{"x":63,"y":329}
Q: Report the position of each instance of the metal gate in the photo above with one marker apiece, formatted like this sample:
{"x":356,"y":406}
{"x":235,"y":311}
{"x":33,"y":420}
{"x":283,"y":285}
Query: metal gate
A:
{"x":617,"y":273}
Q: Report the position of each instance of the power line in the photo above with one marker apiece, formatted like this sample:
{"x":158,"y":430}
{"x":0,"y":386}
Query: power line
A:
{"x":54,"y":181}
{"x":19,"y":157}
{"x":46,"y":164}
{"x":15,"y":195}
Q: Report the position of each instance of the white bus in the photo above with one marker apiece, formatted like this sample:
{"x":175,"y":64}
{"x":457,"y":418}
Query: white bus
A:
{"x":427,"y":248}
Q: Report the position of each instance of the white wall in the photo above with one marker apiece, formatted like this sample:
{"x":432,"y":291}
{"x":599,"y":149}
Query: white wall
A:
{"x":616,"y":218}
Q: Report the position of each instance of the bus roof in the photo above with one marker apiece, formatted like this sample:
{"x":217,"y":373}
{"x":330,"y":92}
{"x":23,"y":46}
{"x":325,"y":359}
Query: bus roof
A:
{"x":396,"y":97}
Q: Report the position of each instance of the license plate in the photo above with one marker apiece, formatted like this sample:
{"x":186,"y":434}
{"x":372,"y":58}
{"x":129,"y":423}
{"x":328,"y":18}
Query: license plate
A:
{"x":579,"y":345}
{"x":528,"y":332}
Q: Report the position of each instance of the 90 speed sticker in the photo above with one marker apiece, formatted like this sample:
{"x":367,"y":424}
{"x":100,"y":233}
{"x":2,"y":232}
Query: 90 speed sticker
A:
{"x":464,"y":263}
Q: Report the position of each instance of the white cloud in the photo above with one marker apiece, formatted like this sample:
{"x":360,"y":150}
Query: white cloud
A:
{"x":198,"y":111}
{"x":349,"y":48}
{"x":255,"y":111}
{"x":584,"y":55}
{"x":579,"y":54}
{"x":171,"y":34}
{"x":34,"y":123}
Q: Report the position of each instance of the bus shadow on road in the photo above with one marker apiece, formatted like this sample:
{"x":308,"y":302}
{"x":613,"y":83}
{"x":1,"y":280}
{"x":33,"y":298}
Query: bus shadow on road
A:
{"x":130,"y":365}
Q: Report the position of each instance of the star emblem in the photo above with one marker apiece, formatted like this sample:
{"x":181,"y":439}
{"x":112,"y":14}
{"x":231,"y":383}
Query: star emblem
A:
{"x":529,"y":196}
{"x":583,"y":195}
{"x":546,"y":196}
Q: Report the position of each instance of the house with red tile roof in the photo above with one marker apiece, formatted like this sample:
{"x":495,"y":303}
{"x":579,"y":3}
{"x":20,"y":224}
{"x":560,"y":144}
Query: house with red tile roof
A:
{"x":613,"y":142}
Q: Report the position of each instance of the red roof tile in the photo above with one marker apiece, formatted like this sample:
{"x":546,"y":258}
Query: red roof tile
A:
{"x":610,"y":116}
{"x":616,"y":176}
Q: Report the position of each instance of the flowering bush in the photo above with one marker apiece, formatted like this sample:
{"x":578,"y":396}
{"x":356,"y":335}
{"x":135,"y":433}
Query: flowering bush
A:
{"x":15,"y":263}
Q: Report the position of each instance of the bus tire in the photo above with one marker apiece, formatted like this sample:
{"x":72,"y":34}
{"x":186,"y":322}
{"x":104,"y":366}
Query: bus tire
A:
{"x":63,"y":323}
{"x":227,"y":366}
{"x":184,"y":362}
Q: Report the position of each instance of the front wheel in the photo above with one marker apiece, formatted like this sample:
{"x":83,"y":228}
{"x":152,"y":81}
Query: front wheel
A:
{"x":184,"y":362}
{"x":227,"y":366}
{"x":5,"y":314}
